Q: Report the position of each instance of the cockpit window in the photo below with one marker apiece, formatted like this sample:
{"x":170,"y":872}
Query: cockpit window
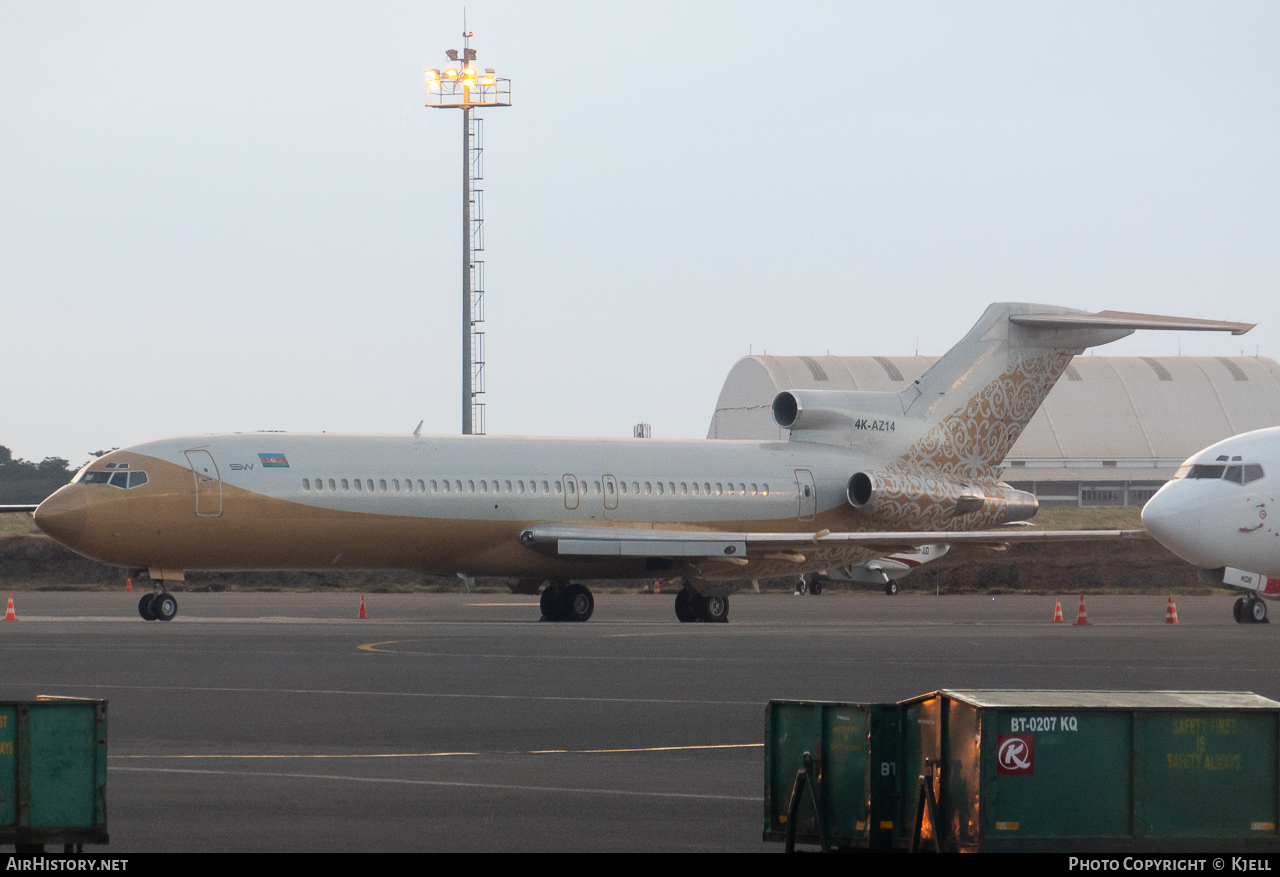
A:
{"x":1236,"y":473}
{"x":122,"y":478}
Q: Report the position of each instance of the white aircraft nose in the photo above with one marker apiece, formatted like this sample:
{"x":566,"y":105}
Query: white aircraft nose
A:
{"x":1176,"y":525}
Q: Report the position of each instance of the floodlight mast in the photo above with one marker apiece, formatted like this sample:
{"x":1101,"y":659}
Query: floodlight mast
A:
{"x":463,"y":88}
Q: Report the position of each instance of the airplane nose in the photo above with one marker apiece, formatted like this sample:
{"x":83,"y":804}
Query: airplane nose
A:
{"x":63,"y":515}
{"x":1175,"y":526}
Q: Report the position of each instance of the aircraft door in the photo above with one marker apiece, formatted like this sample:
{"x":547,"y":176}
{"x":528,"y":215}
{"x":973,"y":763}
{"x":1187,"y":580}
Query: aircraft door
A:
{"x":807,"y":492}
{"x":610,"y":492}
{"x":208,"y":483}
{"x":570,"y":492}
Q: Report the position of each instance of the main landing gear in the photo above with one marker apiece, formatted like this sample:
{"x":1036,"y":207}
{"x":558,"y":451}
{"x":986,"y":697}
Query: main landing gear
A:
{"x":561,"y":601}
{"x":692,"y":606}
{"x":1250,"y":610}
{"x":158,"y":606}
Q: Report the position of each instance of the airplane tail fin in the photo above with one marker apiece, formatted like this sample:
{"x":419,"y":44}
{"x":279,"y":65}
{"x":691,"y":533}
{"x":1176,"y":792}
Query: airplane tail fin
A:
{"x":976,"y":400}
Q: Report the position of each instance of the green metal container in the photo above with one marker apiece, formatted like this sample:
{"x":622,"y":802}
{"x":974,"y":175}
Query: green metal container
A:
{"x":53,"y":772}
{"x":1090,"y":771}
{"x":854,"y":749}
{"x":1033,"y":771}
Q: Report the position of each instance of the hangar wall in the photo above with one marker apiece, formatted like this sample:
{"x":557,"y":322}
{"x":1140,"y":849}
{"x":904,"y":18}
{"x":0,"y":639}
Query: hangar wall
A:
{"x":1110,"y":433}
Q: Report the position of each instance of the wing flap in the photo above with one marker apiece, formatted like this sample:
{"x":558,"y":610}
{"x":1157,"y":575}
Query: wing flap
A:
{"x":576,"y":540}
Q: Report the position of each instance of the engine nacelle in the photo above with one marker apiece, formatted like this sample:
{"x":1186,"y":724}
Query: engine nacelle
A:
{"x":914,"y":496}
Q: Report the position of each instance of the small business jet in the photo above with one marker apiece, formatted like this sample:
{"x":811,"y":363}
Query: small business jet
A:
{"x":1215,"y":514}
{"x":863,"y":476}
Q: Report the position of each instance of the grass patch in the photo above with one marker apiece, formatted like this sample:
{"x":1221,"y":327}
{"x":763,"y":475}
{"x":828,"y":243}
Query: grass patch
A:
{"x":17,"y":524}
{"x":1097,"y":517}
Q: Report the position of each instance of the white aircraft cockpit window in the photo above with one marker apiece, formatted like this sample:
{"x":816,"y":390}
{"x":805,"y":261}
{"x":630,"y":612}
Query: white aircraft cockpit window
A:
{"x":119,"y":479}
{"x":1252,"y":472}
{"x":1222,"y":458}
{"x":96,"y":478}
{"x":1235,"y":474}
{"x":1206,"y":470}
{"x":1235,"y":459}
{"x":137,"y":479}
{"x":1183,"y":472}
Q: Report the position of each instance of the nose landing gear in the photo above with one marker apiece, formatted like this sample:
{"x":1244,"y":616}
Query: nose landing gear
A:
{"x":158,"y":606}
{"x":1250,"y":610}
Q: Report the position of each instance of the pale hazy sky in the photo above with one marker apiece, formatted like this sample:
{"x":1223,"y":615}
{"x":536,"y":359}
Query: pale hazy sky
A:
{"x":238,"y":216}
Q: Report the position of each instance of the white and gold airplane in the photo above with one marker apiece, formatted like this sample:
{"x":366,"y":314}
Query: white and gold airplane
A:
{"x":863,"y":476}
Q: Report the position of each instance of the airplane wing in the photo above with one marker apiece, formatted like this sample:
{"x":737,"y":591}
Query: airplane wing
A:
{"x":570,"y":539}
{"x":18,"y":508}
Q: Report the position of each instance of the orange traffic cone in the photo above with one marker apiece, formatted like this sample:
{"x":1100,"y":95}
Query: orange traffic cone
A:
{"x":1082,"y":617}
{"x":362,"y":615}
{"x":1171,"y":612}
{"x":9,"y":614}
{"x":1057,"y":611}
{"x":128,"y":586}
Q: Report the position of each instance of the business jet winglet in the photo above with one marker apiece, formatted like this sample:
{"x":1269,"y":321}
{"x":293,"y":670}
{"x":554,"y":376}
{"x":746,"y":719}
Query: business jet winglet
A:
{"x":868,"y":484}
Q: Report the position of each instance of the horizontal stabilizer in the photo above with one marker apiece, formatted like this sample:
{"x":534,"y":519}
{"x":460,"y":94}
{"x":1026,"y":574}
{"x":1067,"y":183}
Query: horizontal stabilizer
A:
{"x":1125,"y":320}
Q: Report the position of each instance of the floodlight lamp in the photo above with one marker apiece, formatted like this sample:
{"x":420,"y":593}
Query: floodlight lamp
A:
{"x":490,"y":71}
{"x":453,"y":54}
{"x":433,"y":75}
{"x":470,"y":54}
{"x":450,"y":73}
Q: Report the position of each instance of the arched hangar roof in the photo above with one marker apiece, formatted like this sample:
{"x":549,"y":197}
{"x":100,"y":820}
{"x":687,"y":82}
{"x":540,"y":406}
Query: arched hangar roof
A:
{"x":1106,"y":411}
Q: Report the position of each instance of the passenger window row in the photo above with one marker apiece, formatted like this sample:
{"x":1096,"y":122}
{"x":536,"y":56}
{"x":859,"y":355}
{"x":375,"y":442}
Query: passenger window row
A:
{"x":533,"y":486}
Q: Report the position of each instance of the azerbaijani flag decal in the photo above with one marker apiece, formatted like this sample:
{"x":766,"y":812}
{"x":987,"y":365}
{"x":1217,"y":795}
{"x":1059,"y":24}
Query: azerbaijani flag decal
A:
{"x":274,"y":461}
